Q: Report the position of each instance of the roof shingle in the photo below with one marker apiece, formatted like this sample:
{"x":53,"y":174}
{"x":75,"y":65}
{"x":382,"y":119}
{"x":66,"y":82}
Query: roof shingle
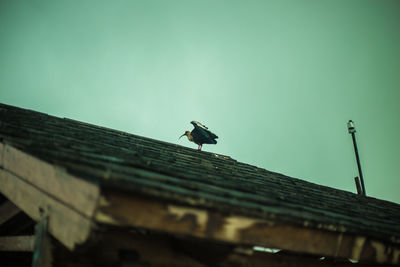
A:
{"x":115,"y":159}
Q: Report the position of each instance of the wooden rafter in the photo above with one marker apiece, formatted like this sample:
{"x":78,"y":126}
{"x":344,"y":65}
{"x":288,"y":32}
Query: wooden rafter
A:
{"x":36,"y":186}
{"x":56,"y":182}
{"x":65,"y":224}
{"x":7,"y":211}
{"x":17,"y":243}
{"x":119,"y":247}
{"x":128,"y":210}
{"x":72,"y":205}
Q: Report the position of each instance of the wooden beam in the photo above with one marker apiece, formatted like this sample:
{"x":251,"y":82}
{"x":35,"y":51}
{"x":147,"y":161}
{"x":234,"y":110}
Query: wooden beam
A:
{"x":7,"y":211}
{"x":66,"y":224}
{"x":259,"y":259}
{"x":55,"y":181}
{"x":130,"y":210}
{"x":42,"y":254}
{"x":17,"y":243}
{"x":146,"y":247}
{"x":123,"y":247}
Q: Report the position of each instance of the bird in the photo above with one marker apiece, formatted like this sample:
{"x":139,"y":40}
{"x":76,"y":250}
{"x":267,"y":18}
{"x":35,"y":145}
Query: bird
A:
{"x":200,"y":135}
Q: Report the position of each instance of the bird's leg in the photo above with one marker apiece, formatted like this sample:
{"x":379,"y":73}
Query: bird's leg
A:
{"x":199,"y":148}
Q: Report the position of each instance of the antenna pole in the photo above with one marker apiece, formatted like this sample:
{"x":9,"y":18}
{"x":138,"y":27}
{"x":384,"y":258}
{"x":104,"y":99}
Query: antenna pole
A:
{"x":352,"y":131}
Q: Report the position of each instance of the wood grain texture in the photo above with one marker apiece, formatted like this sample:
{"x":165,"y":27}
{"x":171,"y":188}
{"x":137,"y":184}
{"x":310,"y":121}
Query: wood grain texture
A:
{"x":65,"y":224}
{"x":202,"y":194}
{"x":17,"y":243}
{"x":163,"y":170}
{"x":129,"y":210}
{"x":79,"y":194}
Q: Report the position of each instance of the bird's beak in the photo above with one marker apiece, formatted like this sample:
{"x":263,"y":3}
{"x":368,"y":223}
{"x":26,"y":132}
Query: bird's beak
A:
{"x":182,"y":135}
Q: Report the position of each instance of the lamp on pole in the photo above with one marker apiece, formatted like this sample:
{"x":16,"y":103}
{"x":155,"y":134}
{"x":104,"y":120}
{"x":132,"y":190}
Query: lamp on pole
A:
{"x":352,"y":131}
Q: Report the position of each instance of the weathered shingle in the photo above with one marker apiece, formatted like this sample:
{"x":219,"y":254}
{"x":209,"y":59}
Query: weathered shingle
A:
{"x":175,"y":173}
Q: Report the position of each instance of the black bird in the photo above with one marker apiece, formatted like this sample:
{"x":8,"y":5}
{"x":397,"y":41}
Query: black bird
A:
{"x":200,"y":135}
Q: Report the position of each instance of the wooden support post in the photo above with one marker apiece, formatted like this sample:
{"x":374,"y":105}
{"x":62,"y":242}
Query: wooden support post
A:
{"x":42,"y":254}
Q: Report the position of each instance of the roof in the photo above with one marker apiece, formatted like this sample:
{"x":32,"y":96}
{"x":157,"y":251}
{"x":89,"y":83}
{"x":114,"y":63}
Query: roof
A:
{"x":174,"y":173}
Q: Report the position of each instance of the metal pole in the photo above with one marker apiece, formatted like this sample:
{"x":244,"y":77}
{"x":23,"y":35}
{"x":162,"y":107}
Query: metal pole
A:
{"x":352,"y":130}
{"x":358,"y":186}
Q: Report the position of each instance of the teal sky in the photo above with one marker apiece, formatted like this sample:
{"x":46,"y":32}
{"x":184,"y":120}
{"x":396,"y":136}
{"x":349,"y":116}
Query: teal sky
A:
{"x":277,"y":81}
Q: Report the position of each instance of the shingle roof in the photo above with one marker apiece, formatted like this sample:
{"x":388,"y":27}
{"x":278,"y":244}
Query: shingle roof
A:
{"x":132,"y":163}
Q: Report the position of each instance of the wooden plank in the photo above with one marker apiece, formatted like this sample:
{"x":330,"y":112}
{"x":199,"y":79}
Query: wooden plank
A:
{"x":119,"y":246}
{"x":124,"y":248}
{"x":128,"y":210}
{"x":260,"y":259}
{"x":79,"y":194}
{"x":66,"y":224}
{"x":140,"y":248}
{"x":17,"y":243}
{"x":145,"y":247}
{"x":7,"y":211}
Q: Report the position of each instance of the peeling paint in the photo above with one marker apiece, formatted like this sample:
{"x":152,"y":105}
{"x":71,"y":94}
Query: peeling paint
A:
{"x":332,"y":227}
{"x":358,"y":247}
{"x":200,"y":215}
{"x":103,"y":202}
{"x":396,"y":256}
{"x":104,"y":218}
{"x":233,"y":226}
{"x":381,"y":251}
{"x":338,"y":244}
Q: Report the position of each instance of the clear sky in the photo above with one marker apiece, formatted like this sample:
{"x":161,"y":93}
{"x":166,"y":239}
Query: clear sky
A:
{"x":277,"y":81}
